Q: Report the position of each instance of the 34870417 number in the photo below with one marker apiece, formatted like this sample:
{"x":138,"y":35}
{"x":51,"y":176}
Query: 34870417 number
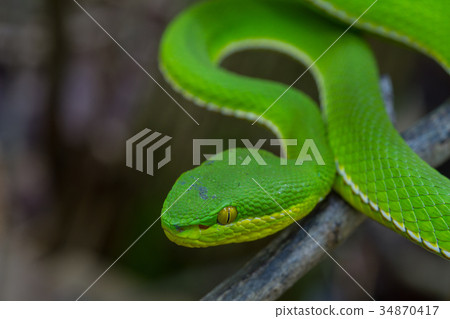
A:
{"x":409,"y":310}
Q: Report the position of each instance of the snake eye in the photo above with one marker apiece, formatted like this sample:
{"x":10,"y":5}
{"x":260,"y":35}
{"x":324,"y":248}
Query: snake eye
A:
{"x":227,"y":215}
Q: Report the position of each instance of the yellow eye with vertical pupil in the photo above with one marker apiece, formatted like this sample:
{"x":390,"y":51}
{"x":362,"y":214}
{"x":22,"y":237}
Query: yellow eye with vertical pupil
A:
{"x":227,"y":215}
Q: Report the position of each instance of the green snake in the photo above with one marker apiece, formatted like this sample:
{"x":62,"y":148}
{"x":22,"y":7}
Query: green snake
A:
{"x":366,"y":160}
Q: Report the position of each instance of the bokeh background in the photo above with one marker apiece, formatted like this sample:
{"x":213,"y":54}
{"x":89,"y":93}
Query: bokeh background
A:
{"x":70,"y":98}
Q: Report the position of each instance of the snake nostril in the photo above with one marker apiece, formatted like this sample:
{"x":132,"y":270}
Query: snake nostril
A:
{"x":203,"y":226}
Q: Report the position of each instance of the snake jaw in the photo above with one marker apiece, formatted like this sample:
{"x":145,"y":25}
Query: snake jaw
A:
{"x":183,"y":232}
{"x":189,"y":236}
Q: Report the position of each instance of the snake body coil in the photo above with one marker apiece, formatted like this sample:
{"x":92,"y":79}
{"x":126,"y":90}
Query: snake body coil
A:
{"x":377,"y":173}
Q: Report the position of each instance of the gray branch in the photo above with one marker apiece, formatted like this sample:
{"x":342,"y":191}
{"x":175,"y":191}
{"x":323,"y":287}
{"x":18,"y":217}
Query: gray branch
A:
{"x":292,"y":254}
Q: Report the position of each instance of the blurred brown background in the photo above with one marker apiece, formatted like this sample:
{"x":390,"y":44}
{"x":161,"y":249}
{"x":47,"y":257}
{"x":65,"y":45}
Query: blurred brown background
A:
{"x":70,"y":98}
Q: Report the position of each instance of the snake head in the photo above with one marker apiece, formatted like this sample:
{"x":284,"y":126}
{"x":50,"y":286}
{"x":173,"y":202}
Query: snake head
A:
{"x":217,"y":203}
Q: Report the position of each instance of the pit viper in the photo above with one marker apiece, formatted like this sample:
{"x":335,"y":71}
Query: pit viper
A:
{"x":233,"y":198}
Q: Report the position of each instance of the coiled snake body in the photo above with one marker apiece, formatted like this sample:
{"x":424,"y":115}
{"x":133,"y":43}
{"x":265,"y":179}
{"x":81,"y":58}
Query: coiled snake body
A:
{"x":366,"y":160}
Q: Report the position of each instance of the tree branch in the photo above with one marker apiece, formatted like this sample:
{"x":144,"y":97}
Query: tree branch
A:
{"x":292,"y":254}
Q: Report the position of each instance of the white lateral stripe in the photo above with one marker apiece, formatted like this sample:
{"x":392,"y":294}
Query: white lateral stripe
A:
{"x":414,"y":236}
{"x":386,"y":215}
{"x":355,"y":188}
{"x":364,"y":197}
{"x":347,"y":179}
{"x":445,"y":253}
{"x":373,"y":205}
{"x":400,"y":226}
{"x":431,"y":246}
